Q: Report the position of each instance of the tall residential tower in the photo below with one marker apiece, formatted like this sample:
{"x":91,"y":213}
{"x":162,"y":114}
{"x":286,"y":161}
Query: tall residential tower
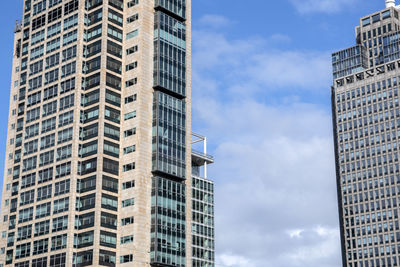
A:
{"x":99,"y":161}
{"x":366,"y":119}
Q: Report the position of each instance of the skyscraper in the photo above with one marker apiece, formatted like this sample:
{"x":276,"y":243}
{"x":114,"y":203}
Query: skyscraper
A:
{"x":99,"y":162}
{"x":366,"y":119}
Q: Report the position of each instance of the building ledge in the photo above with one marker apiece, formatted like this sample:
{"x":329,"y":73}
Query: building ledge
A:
{"x":199,"y":158}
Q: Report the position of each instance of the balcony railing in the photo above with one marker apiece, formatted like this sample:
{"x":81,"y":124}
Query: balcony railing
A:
{"x":203,"y":155}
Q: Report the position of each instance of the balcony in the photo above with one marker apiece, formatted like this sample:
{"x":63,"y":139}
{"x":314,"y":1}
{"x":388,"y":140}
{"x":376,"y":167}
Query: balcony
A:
{"x":200,"y":158}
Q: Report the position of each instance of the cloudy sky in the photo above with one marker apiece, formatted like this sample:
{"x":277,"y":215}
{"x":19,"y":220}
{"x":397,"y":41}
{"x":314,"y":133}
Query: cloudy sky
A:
{"x":261,"y":93}
{"x":261,"y":89}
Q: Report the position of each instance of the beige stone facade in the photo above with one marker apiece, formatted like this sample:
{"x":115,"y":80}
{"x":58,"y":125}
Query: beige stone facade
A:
{"x":134,"y":148}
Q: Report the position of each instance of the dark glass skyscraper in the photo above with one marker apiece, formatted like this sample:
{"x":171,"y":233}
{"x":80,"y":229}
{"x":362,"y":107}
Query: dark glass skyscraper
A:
{"x":366,"y":119}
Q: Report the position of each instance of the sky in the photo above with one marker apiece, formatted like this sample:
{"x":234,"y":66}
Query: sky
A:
{"x":261,"y":77}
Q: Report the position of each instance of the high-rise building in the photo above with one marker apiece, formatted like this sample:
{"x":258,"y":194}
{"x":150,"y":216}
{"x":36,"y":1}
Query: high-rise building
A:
{"x":202,"y":207}
{"x":99,"y":162}
{"x":366,"y":119}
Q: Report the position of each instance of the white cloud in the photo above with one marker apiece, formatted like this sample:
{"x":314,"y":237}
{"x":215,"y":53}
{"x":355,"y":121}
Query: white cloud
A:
{"x":291,"y":68}
{"x":280,"y":38}
{"x":327,"y":247}
{"x":214,"y":21}
{"x":295,"y":233}
{"x":230,"y":260}
{"x":257,"y":61}
{"x":274,"y":170}
{"x":322,"y":6}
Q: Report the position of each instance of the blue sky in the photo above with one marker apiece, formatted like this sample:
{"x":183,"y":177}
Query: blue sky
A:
{"x":261,"y":93}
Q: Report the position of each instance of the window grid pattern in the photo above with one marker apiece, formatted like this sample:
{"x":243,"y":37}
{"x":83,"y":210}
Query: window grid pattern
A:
{"x":168,"y":222}
{"x":367,"y":144}
{"x":169,"y":152}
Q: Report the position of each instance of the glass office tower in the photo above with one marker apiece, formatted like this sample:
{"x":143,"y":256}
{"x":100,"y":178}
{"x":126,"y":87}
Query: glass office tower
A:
{"x":203,"y":234}
{"x":98,"y":168}
{"x":366,"y":119}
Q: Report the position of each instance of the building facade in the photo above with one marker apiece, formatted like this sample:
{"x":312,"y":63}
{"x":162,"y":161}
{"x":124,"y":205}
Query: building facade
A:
{"x":366,"y":120}
{"x":98,"y":168}
{"x":203,"y":235}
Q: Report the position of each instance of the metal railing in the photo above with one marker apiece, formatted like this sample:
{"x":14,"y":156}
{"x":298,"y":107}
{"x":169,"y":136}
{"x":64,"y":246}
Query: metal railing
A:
{"x":201,"y":154}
